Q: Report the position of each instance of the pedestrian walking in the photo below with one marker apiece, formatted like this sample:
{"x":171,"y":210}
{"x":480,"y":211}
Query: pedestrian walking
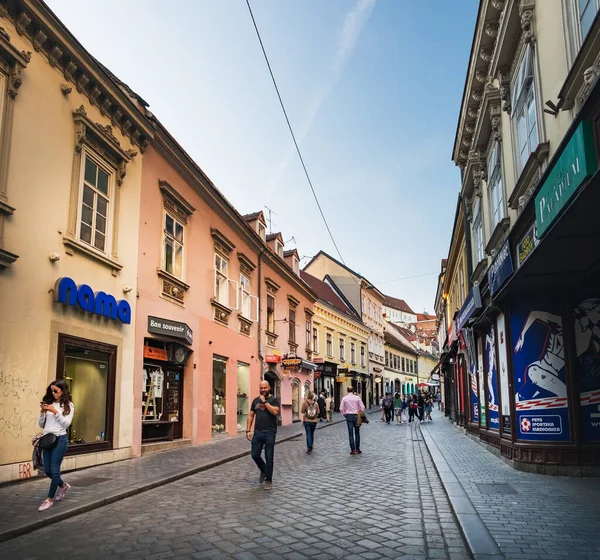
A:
{"x":398,"y":408}
{"x":351,"y":406}
{"x":310,"y":414}
{"x":413,"y":409}
{"x":321,"y":403}
{"x":404,"y":413}
{"x":382,"y":410}
{"x":329,"y":408}
{"x":263,"y":414}
{"x":56,"y":415}
{"x":428,"y":408}
{"x":388,"y":404}
{"x":421,"y":405}
{"x":439,"y":400}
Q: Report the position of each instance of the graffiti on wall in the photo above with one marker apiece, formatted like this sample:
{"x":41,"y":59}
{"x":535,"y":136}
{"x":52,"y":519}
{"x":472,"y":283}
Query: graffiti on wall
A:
{"x":541,"y":404}
{"x":587,"y":341}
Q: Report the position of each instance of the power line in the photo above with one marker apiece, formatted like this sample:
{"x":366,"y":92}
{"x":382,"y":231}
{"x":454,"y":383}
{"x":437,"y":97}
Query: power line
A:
{"x":292,"y":131}
{"x":406,"y":278}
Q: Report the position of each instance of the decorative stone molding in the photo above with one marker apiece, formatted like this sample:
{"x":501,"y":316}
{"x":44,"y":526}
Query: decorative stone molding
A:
{"x":7,"y":258}
{"x":497,"y":236}
{"x":495,"y":120}
{"x":39,"y":39}
{"x":590,"y":77}
{"x":272,"y":286}
{"x":15,"y":80}
{"x":271,"y":339}
{"x":467,"y":141}
{"x":65,"y":89}
{"x":221,"y":312}
{"x":174,"y":202}
{"x":54,"y":55}
{"x":293,"y":302}
{"x":246,"y":265}
{"x":221,"y":242}
{"x":481,"y":76}
{"x":498,"y":4}
{"x":245,"y":325}
{"x":69,"y":70}
{"x":504,"y":78}
{"x":526,"y":13}
{"x":22,"y":23}
{"x":477,"y":94}
{"x":472,"y":112}
{"x":172,"y":288}
{"x":529,"y":178}
{"x":491,"y":29}
{"x":485,"y":54}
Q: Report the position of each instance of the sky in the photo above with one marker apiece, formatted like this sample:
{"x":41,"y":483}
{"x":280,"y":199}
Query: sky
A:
{"x":372,"y":89}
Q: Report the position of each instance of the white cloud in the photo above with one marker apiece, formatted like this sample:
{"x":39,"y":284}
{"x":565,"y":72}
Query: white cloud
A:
{"x":350,"y":32}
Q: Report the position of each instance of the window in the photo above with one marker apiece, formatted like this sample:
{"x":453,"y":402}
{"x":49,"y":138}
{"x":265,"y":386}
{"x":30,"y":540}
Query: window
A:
{"x":262,"y":231}
{"x":270,"y":314}
{"x":329,"y":345}
{"x":403,"y":365}
{"x":221,"y":281}
{"x":308,"y":329}
{"x":478,"y":253}
{"x":353,"y":352}
{"x":387,"y":359}
{"x":96,"y":192}
{"x":395,"y":362}
{"x":362,"y":355}
{"x":173,"y":246}
{"x":246,"y":307}
{"x":524,"y":113}
{"x":295,"y":266}
{"x":292,"y":324}
{"x":461,"y":273}
{"x":362,"y":304}
{"x":315,"y":340}
{"x":342,"y":349}
{"x":279,"y":248}
{"x":586,"y":12}
{"x":495,"y":185}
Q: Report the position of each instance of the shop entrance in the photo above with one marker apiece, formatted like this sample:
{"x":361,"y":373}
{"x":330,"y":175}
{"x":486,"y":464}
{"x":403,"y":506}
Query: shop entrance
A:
{"x":295,"y":400}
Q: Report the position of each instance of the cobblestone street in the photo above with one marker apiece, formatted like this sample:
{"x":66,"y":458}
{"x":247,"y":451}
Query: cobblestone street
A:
{"x":386,"y":503}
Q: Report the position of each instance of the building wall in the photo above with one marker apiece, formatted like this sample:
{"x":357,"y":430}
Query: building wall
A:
{"x":210,"y":338}
{"x":40,"y":171}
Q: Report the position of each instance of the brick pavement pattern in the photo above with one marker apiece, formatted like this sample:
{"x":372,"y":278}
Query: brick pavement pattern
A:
{"x":530,"y":516}
{"x":386,"y":503}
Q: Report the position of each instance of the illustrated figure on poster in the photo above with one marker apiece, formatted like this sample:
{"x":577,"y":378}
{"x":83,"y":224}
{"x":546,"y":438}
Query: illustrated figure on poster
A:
{"x":587,"y":337}
{"x":491,"y":349}
{"x":542,"y":377}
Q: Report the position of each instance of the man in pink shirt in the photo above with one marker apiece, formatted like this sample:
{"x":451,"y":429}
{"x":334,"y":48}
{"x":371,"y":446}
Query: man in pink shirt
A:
{"x":350,"y":406}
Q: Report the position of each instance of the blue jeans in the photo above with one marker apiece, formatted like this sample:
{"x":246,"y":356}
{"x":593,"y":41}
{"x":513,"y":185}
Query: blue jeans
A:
{"x":266,"y":440}
{"x":309,"y":428}
{"x":353,"y":432}
{"x":52,"y":461}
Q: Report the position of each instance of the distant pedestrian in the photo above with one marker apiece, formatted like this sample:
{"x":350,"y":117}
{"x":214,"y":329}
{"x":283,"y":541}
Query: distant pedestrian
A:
{"x":388,"y":404}
{"x":439,"y":400}
{"x":404,"y":414}
{"x":264,"y":409}
{"x":310,"y":414}
{"x":382,"y":410}
{"x":56,"y":415}
{"x":398,"y":408}
{"x":329,"y":408}
{"x":428,"y":408}
{"x":350,"y":407}
{"x":413,"y":409}
{"x":421,"y":405}
{"x":321,"y":403}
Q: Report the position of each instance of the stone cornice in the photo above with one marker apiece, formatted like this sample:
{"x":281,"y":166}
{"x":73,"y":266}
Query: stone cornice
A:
{"x":35,"y":21}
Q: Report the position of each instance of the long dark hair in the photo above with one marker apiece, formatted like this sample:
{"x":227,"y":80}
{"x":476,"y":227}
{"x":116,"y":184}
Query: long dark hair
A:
{"x":65,"y":398}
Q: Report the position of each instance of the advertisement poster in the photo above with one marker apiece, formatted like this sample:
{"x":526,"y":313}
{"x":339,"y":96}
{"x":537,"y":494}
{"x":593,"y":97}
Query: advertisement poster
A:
{"x":541,"y":407}
{"x":502,"y":365}
{"x":480,"y":373}
{"x":470,"y":355}
{"x":587,"y":341}
{"x":492,"y":378}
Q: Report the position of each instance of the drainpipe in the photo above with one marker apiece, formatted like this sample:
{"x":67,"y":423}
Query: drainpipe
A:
{"x":260,"y":356}
{"x":467,"y":229}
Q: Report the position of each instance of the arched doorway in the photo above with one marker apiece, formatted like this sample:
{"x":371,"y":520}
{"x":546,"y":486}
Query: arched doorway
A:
{"x":274,"y":381}
{"x":295,"y":400}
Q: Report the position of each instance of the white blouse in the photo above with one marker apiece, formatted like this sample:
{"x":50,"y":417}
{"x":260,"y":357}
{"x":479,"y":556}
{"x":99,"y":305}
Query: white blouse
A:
{"x":56,"y":424}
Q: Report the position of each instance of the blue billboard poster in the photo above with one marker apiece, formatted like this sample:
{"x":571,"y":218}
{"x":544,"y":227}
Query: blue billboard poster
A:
{"x":587,"y":342}
{"x":482,"y":415}
{"x":492,"y":379}
{"x":474,"y":395}
{"x":541,"y":406}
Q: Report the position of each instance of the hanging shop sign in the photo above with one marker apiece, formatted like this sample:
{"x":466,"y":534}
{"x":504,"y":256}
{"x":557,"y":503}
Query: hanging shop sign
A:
{"x":576,"y":163}
{"x":98,"y":303}
{"x":319,"y":360}
{"x":291,"y":363}
{"x":272,"y":359}
{"x":471,"y":306}
{"x":526,"y":246}
{"x":501,"y":269}
{"x":451,"y":333}
{"x":155,"y":353}
{"x":378,"y":379}
{"x":157,"y":325}
{"x":317,"y":375}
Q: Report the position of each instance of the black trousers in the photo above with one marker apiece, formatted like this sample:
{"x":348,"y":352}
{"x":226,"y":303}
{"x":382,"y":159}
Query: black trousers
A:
{"x":389,"y":413}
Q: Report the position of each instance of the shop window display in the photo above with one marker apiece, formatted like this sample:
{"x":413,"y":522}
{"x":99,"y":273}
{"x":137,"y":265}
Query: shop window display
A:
{"x":243,"y":392}
{"x":219,"y":395}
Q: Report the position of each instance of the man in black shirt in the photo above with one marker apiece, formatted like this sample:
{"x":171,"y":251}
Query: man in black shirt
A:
{"x":264,"y":410}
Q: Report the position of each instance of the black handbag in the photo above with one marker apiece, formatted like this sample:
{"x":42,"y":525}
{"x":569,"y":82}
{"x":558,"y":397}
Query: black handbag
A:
{"x":47,"y":441}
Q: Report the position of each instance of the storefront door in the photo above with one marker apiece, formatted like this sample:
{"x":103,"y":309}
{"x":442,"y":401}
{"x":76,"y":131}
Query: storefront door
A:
{"x":174,"y":400}
{"x":295,"y":400}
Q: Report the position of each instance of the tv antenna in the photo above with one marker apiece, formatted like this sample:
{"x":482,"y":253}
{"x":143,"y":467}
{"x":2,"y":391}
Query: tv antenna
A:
{"x":269,"y":219}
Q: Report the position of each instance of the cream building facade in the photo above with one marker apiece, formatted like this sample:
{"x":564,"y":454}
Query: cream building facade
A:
{"x":71,"y":144}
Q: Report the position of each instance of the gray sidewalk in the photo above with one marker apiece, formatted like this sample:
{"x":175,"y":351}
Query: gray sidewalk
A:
{"x":95,"y":487}
{"x":505,"y":513}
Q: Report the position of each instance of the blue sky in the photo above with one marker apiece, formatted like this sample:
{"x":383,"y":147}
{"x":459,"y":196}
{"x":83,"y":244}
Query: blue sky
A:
{"x":372,"y":89}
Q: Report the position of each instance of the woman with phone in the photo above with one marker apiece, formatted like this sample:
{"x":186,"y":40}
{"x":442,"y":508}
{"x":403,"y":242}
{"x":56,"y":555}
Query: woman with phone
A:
{"x":56,"y":415}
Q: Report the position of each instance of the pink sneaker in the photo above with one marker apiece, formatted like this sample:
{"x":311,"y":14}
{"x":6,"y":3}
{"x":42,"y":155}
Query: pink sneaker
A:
{"x":46,"y":504}
{"x":61,"y":492}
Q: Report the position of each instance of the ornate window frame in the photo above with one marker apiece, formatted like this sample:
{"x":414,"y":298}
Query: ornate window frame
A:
{"x":99,"y":141}
{"x":12,"y":64}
